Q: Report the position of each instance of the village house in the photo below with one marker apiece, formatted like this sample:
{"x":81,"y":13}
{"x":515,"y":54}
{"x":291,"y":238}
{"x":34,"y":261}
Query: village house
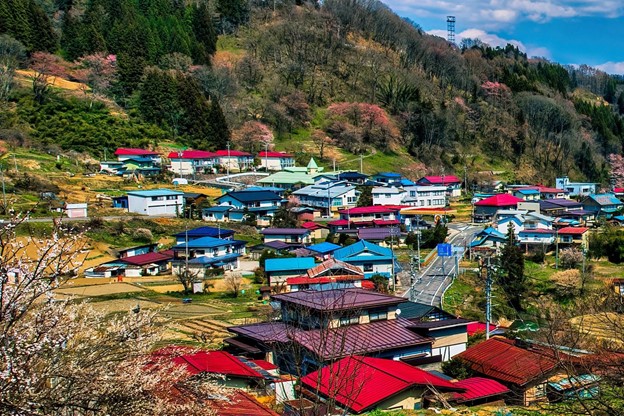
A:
{"x":487,"y":241}
{"x":147,"y":264}
{"x":286,"y":235}
{"x":156,"y":202}
{"x":451,"y":182}
{"x":124,"y":153}
{"x":603,"y":205}
{"x":330,"y":324}
{"x":330,"y":196}
{"x":328,"y":275}
{"x":121,"y":253}
{"x":575,"y":188}
{"x":360,"y":384}
{"x":354,"y":178}
{"x":235,"y":160}
{"x":276,"y":160}
{"x":191,"y":162}
{"x":574,"y":235}
{"x":324,"y":250}
{"x":75,"y":210}
{"x":371,"y":258}
{"x":207,"y":252}
{"x":521,"y":220}
{"x":278,"y":270}
{"x":317,"y":231}
{"x":391,"y":179}
{"x":485,"y":209}
{"x":236,"y":205}
{"x":293,"y":177}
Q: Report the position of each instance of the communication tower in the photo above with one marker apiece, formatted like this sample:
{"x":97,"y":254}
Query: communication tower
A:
{"x":450,"y":27}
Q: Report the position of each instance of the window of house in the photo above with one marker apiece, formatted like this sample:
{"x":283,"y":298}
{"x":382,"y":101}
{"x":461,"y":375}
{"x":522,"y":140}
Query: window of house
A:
{"x":368,"y":267}
{"x":349,"y":320}
{"x":412,"y":193}
{"x":378,"y":315}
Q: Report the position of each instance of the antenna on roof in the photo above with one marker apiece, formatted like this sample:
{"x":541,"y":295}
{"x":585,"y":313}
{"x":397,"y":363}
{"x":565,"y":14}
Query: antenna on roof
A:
{"x":450,"y":28}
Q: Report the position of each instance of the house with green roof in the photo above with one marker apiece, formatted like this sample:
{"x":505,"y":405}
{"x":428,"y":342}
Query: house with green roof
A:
{"x":294,"y":177}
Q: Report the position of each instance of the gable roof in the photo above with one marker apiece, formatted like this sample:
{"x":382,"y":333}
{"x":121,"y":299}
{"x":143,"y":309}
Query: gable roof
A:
{"x":446,"y":179}
{"x":573,"y":230}
{"x":604,"y":199}
{"x":239,"y":403}
{"x":501,"y":360}
{"x":324,"y":247}
{"x":338,"y":299}
{"x":326,"y":268}
{"x":288,"y":264}
{"x":127,"y":151}
{"x":311,"y":225}
{"x":252,"y":196}
{"x":192,"y":154}
{"x":148,"y":258}
{"x":374,"y":209}
{"x":361,"y":246}
{"x":154,"y":192}
{"x":216,"y":362}
{"x":208,"y":242}
{"x":312,"y":164}
{"x":232,"y":153}
{"x":359,"y":383}
{"x":499,"y":200}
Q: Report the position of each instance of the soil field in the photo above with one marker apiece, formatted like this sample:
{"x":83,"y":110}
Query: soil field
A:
{"x":99,"y":290}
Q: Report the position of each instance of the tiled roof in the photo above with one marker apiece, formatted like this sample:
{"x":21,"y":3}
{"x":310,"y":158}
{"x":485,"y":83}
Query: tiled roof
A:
{"x":501,"y":360}
{"x":330,"y":265}
{"x":285,"y":231}
{"x":149,"y":258}
{"x":288,"y":264}
{"x":192,"y":154}
{"x":360,"y":339}
{"x":478,"y":388}
{"x":232,"y":153}
{"x":274,"y":154}
{"x":338,"y":299}
{"x":125,"y":151}
{"x":499,"y":200}
{"x":359,"y":383}
{"x":573,"y":230}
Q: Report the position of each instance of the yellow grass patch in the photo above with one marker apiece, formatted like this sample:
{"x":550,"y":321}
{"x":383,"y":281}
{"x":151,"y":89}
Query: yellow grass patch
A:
{"x":25,"y":76}
{"x":111,"y":288}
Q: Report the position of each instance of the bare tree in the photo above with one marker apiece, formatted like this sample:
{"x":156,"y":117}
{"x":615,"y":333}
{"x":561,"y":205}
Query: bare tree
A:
{"x":233,"y":283}
{"x":187,"y":277}
{"x":11,"y":54}
{"x":61,"y":357}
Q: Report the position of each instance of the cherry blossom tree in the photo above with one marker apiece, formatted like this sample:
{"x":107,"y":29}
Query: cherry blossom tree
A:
{"x":373,"y":124}
{"x":616,"y":163}
{"x":46,"y":67}
{"x":253,"y":136}
{"x":96,"y":71}
{"x":61,"y":357}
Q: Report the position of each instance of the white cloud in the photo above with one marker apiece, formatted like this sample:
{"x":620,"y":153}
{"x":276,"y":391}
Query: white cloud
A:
{"x":494,"y":40}
{"x":612,"y":67}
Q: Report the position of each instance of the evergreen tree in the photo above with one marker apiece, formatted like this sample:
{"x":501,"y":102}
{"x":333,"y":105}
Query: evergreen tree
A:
{"x":220,"y":132}
{"x":511,"y":277}
{"x":158,"y":99}
{"x":620,"y":103}
{"x":205,"y":34}
{"x":284,"y":218}
{"x":366,"y":196}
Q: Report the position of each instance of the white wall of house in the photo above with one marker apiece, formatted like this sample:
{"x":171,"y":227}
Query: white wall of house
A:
{"x":163,"y":205}
{"x":425,"y":196}
{"x":383,"y":195}
{"x":182,"y":166}
{"x":276,"y":163}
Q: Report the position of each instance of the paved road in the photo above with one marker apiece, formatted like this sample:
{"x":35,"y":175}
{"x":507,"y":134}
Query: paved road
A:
{"x":433,"y":279}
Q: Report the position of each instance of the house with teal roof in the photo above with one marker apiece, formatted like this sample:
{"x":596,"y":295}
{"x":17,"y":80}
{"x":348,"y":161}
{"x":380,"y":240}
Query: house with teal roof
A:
{"x":603,"y":205}
{"x":370,"y":258}
{"x":294,"y":177}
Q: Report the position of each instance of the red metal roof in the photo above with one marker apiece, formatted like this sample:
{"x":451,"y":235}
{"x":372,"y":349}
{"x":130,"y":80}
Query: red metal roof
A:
{"x":368,"y":285}
{"x":232,"y":153}
{"x":239,"y":403}
{"x":478,"y":388}
{"x":303,"y":280}
{"x":126,"y":151}
{"x":573,"y":230}
{"x":475,"y":327}
{"x":192,"y":154}
{"x":503,"y":361}
{"x":216,"y":362}
{"x":148,"y":258}
{"x":311,"y":225}
{"x":545,"y":189}
{"x":274,"y":154}
{"x":447,"y":179}
{"x":265,"y":365}
{"x":618,"y":190}
{"x":386,"y":222}
{"x":359,"y":383}
{"x":500,"y":200}
{"x":373,"y":209}
{"x":338,"y":222}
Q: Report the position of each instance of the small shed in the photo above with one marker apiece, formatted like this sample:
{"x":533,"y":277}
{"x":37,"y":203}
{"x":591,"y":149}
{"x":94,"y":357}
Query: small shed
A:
{"x":76,"y":210}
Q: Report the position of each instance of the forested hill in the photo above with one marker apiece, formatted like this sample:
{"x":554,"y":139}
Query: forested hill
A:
{"x":336,"y":79}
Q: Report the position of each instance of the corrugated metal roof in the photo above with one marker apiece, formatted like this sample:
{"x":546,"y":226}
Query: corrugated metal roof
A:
{"x":288,"y":264}
{"x":605,"y":199}
{"x":126,"y":151}
{"x":208,"y":242}
{"x":206,"y":232}
{"x":239,"y":403}
{"x":359,"y":383}
{"x":154,"y":192}
{"x":324,"y":247}
{"x":149,"y":258}
{"x":328,"y":266}
{"x":573,"y":230}
{"x":192,"y":154}
{"x":265,"y":332}
{"x":252,"y":196}
{"x":274,"y":154}
{"x":499,"y":200}
{"x":502,"y":360}
{"x":360,"y":247}
{"x":338,"y":299}
{"x":232,"y":153}
{"x":478,"y":388}
{"x":284,"y":231}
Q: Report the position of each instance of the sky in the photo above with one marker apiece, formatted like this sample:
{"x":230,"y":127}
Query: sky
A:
{"x":566,"y":31}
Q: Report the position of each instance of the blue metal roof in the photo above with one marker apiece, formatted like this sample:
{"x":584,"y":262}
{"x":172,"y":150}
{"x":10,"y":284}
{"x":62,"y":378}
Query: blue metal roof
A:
{"x":205,"y":260}
{"x":218,"y":208}
{"x":252,"y":196}
{"x":155,"y":192}
{"x":324,"y":248}
{"x":528,"y":191}
{"x":209,"y":242}
{"x":288,"y":264}
{"x":605,"y":199}
{"x":354,"y":249}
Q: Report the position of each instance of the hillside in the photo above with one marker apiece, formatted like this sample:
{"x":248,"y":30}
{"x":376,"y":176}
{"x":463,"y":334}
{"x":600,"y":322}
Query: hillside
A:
{"x":340,"y":81}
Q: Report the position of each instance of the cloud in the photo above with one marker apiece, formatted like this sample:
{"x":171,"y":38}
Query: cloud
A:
{"x":494,"y":40}
{"x":612,"y":67}
{"x":498,"y":13}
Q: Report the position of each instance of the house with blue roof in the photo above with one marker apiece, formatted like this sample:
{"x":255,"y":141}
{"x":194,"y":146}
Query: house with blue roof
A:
{"x":156,"y":202}
{"x":280,"y":269}
{"x":527,"y":193}
{"x":521,"y":220}
{"x":235,"y":205}
{"x":195,"y":233}
{"x":328,"y":195}
{"x":603,"y":205}
{"x":487,"y":239}
{"x":391,"y":179}
{"x":207,"y":252}
{"x":371,"y":258}
{"x":323,"y":250}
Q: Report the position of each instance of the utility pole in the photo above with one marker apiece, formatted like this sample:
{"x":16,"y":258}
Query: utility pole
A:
{"x":228,"y":160}
{"x":556,"y":249}
{"x":418,"y":239}
{"x":361,"y":163}
{"x":466,"y":179}
{"x":485,"y":266}
{"x":266,"y":156}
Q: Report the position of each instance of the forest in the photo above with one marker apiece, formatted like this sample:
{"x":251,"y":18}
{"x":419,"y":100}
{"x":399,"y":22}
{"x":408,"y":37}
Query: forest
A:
{"x":346,"y":74}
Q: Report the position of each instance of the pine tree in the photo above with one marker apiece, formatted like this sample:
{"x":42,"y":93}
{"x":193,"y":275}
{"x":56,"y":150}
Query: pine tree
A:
{"x":620,"y":103}
{"x":205,"y":33}
{"x":511,"y":278}
{"x":220,"y":132}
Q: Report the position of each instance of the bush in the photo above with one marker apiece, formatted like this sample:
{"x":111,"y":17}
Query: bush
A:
{"x":456,"y":368}
{"x":143,"y":235}
{"x":537,"y":256}
{"x":568,"y":283}
{"x":570,"y":258}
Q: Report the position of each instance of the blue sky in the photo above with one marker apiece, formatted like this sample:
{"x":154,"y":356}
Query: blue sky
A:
{"x":566,"y":31}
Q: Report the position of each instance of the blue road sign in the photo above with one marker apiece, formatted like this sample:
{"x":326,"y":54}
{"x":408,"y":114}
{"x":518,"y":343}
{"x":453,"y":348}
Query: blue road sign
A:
{"x":445,"y":250}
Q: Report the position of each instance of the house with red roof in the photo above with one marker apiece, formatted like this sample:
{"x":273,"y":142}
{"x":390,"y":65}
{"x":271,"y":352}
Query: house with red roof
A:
{"x":523,"y":369}
{"x":317,"y":231}
{"x":479,"y":391}
{"x":452,"y":183}
{"x":485,"y":209}
{"x":362,"y":384}
{"x":276,"y":160}
{"x":235,"y":160}
{"x":330,"y":274}
{"x":190,"y":162}
{"x":574,"y":235}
